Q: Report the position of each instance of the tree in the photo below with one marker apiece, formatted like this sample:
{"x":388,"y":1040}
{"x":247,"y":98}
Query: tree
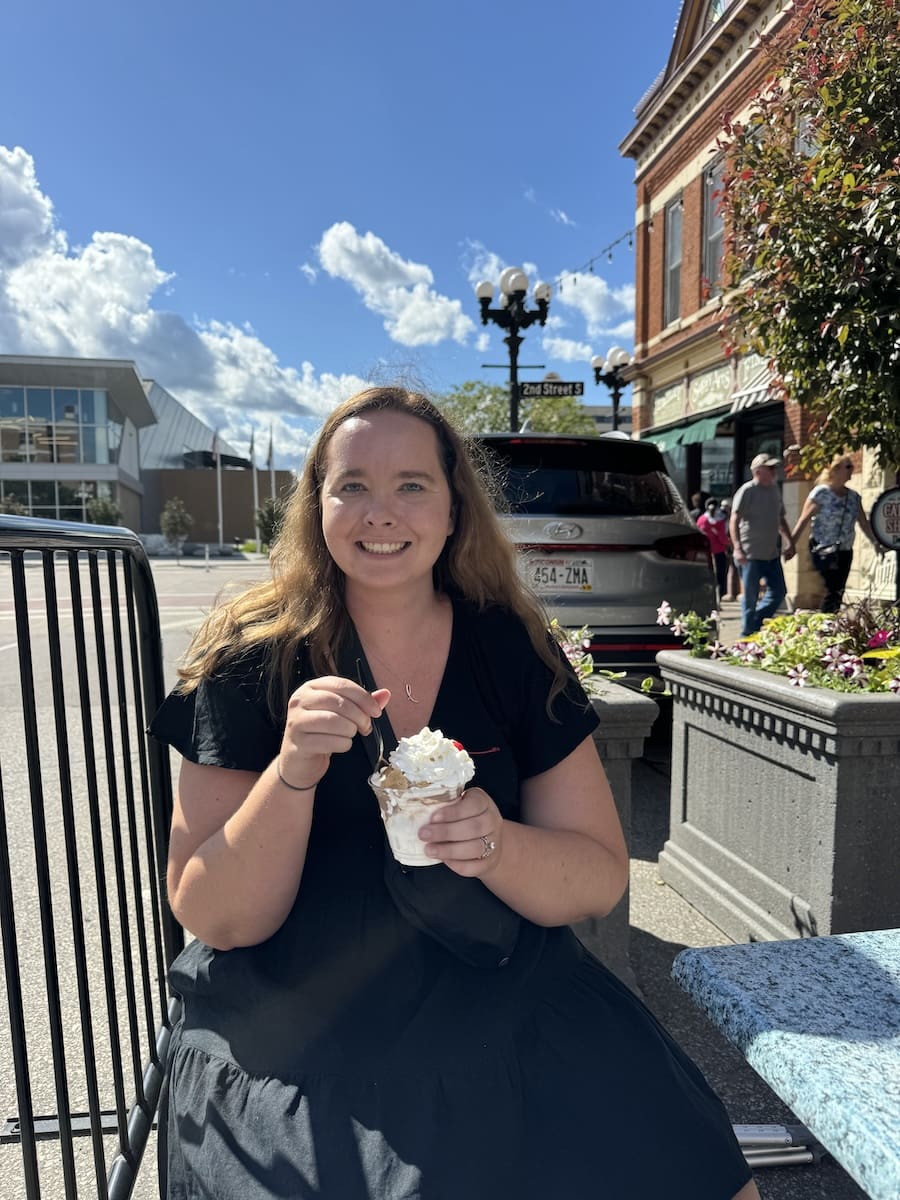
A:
{"x":476,"y":407}
{"x":101,"y":511}
{"x":175,"y":523}
{"x":811,"y":201}
{"x":269,"y":517}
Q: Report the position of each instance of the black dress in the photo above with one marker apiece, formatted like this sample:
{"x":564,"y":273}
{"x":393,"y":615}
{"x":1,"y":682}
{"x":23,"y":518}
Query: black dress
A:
{"x":349,"y":1057}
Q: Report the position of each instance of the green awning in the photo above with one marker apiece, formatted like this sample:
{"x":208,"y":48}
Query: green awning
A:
{"x":702,"y":430}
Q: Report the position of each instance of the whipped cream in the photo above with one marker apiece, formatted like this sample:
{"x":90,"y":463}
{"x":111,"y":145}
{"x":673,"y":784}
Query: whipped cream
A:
{"x":431,"y":759}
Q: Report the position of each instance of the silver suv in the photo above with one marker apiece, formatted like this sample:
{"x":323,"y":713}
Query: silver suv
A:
{"x":604,"y":538}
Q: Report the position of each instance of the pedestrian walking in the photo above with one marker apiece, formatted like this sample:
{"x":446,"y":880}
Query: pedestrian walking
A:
{"x":757,"y":518}
{"x":833,"y":510}
{"x":713,"y":525}
{"x":335,"y":1043}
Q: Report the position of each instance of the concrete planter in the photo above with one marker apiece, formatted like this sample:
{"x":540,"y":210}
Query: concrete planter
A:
{"x":785,"y":813}
{"x":625,"y":718}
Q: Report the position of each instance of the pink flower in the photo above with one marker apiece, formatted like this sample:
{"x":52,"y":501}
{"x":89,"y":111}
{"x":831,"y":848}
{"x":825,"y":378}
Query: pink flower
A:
{"x":879,"y":639}
{"x":679,"y":628}
{"x":798,"y":675}
{"x":894,"y":685}
{"x":717,"y":650}
{"x":664,"y":613}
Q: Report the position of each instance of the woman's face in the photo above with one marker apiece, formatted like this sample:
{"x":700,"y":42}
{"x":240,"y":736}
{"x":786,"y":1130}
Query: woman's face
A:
{"x":386,"y":504}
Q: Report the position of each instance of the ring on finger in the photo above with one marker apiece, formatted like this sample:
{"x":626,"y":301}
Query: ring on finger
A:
{"x":489,"y":847}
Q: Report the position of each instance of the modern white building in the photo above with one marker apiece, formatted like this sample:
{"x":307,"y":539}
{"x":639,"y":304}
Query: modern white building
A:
{"x":72,"y":429}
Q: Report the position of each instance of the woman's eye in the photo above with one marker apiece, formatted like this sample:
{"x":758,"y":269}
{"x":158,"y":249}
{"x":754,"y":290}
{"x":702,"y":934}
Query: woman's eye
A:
{"x":411,"y":487}
{"x":351,"y":487}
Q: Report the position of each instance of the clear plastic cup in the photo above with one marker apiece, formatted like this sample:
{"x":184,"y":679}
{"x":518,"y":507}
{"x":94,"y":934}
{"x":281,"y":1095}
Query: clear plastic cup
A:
{"x":404,"y":812}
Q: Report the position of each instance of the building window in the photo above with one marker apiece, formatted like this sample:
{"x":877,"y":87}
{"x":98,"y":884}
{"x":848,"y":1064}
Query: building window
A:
{"x":58,"y":425}
{"x":714,"y":12}
{"x":713,"y":227}
{"x":672,"y":309}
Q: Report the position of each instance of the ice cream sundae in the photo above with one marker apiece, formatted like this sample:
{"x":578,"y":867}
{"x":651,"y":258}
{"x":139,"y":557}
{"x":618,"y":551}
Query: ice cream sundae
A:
{"x":425,"y":772}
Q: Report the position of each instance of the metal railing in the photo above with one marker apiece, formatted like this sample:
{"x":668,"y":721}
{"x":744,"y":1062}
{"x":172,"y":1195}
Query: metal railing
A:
{"x":85,"y":806}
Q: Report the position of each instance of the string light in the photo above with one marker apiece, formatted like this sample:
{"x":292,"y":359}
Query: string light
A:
{"x":589,"y":265}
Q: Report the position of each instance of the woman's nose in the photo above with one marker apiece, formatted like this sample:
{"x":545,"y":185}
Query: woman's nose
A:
{"x":379,"y":512}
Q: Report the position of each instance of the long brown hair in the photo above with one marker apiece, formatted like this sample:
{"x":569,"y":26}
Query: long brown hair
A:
{"x":304,"y":599}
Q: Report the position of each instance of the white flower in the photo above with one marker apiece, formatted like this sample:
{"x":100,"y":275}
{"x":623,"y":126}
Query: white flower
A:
{"x":831,"y":658}
{"x":798,"y":675}
{"x":664,"y":613}
{"x":679,"y":628}
{"x":894,"y":685}
{"x":717,"y":650}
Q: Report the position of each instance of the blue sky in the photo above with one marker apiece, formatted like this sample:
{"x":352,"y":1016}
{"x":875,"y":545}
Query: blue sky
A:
{"x":265,"y":206}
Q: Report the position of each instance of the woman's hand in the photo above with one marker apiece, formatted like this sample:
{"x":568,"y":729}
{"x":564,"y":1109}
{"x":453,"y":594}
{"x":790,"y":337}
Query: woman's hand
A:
{"x":466,"y":835}
{"x":323,"y":717}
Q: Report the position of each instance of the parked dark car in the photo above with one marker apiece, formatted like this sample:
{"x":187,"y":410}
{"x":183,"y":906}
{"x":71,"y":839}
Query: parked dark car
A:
{"x":604,"y":537}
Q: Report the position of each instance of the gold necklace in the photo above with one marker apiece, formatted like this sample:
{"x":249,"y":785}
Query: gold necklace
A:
{"x":407,"y":686}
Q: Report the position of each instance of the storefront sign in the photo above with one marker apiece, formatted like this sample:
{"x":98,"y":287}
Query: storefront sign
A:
{"x":669,"y":403}
{"x":711,"y":389}
{"x":885,"y":518}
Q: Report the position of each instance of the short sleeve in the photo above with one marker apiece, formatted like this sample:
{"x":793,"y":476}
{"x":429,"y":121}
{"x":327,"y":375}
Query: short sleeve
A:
{"x":225,"y":721}
{"x":521,"y":682}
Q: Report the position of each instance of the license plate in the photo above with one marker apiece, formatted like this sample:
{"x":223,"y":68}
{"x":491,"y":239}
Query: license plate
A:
{"x":559,"y":574}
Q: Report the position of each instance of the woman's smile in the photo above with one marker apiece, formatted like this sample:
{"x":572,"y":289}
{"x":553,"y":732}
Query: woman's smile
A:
{"x":383,"y":547}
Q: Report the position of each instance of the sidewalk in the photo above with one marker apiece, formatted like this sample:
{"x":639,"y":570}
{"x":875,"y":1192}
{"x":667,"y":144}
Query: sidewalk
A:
{"x":662,"y":924}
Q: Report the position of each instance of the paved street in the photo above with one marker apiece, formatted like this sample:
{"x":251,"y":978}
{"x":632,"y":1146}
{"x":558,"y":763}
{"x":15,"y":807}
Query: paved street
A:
{"x":662,"y":923}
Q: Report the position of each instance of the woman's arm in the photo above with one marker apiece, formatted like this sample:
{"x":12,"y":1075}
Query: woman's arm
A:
{"x":809,"y":510}
{"x":867,"y":529}
{"x":566,"y":860}
{"x":238,"y":841}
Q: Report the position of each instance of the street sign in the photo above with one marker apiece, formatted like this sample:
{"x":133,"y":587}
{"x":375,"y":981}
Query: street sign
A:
{"x":550,"y":387}
{"x":885,"y":518}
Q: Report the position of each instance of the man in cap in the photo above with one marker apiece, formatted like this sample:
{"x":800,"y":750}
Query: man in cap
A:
{"x":757,"y":517}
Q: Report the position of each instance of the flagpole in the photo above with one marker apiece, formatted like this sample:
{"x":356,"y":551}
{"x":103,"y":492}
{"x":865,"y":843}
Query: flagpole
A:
{"x":255,"y":494}
{"x":271,"y":467}
{"x":219,"y":488}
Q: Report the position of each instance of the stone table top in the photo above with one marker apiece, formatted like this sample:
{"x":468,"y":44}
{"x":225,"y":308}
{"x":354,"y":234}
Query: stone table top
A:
{"x":819,"y":1020}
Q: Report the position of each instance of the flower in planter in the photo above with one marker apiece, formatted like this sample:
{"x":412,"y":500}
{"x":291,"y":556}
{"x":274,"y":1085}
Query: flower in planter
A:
{"x":855,"y":650}
{"x":576,"y":645}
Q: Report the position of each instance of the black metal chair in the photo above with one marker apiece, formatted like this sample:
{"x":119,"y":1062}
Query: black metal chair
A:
{"x":85,"y":807}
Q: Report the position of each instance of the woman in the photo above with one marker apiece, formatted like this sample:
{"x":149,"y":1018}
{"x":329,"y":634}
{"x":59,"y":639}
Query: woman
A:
{"x":834,"y":510}
{"x":715,"y":528}
{"x":327,"y":1047}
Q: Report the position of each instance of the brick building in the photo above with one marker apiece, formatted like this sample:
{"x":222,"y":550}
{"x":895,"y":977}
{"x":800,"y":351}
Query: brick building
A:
{"x":709,"y":413}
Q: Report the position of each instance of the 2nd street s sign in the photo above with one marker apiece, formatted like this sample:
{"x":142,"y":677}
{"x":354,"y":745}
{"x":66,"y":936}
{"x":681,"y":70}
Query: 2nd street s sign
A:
{"x":550,"y":387}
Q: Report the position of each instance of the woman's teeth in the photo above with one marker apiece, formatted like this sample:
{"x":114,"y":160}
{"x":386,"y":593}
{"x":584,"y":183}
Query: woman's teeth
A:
{"x":382,"y":547}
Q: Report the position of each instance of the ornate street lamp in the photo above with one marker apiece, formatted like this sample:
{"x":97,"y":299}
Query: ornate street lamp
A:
{"x":609,"y":371}
{"x":512,"y":314}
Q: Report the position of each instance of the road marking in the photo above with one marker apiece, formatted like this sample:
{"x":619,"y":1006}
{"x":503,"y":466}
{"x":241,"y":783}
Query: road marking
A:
{"x":11,"y":646}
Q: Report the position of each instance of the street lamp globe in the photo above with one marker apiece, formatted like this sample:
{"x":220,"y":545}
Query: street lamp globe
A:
{"x":485,"y":291}
{"x":513,"y":280}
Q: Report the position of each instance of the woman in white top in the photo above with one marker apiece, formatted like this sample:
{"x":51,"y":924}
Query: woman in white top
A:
{"x":834,"y":510}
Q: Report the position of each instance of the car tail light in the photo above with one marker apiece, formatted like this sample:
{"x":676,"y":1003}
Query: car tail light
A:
{"x":689,"y":547}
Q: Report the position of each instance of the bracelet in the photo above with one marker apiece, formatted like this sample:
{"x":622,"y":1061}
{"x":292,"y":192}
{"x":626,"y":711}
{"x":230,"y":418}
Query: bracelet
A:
{"x":293,"y":787}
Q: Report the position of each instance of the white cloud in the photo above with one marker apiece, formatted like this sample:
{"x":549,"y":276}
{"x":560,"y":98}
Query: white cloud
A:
{"x":480,"y":263}
{"x":482,"y":342}
{"x":561,"y":217}
{"x":529,"y":195}
{"x":606,"y":310}
{"x":310,"y":272}
{"x":568,"y":349}
{"x":96,"y":301}
{"x":393,"y":287}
